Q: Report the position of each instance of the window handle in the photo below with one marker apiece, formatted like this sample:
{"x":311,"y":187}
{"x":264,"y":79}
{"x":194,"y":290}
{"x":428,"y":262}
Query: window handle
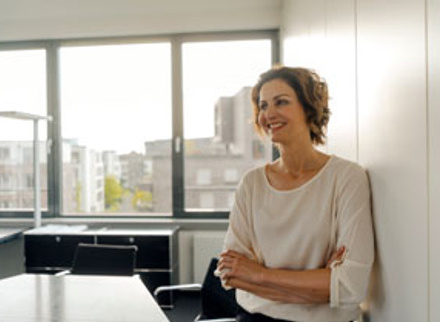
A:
{"x":177,"y":142}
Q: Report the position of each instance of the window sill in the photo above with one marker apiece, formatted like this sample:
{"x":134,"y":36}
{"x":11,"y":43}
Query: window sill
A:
{"x":183,"y":223}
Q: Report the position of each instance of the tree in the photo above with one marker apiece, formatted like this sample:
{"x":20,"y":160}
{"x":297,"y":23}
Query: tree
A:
{"x":142,"y":200}
{"x":113,"y":193}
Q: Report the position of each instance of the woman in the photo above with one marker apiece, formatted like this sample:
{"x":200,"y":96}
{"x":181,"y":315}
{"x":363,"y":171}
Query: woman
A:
{"x":300,"y":241}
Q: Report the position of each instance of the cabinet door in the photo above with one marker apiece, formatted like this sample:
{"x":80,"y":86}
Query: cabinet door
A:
{"x":52,"y":251}
{"x":153,"y":251}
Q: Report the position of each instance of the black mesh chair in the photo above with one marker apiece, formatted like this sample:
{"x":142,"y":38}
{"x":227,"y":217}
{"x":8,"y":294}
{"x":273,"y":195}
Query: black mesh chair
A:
{"x":217,"y":304}
{"x":95,"y":259}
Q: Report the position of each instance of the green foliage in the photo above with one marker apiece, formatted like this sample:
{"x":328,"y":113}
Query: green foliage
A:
{"x":113,"y":193}
{"x":142,"y":200}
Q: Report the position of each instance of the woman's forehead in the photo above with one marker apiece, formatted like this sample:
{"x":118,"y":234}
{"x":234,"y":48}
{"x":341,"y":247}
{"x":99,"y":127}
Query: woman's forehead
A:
{"x":275,"y":88}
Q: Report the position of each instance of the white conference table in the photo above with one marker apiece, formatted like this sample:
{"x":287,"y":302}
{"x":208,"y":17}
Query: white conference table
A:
{"x":77,"y":298}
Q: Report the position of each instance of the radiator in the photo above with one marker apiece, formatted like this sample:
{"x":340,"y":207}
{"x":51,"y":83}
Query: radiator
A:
{"x":206,"y":244}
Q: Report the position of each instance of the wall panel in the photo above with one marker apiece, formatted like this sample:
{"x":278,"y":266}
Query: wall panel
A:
{"x":375,"y":52}
{"x":433,"y":25}
{"x":392,"y":146}
{"x":340,"y":73}
{"x":324,"y":40}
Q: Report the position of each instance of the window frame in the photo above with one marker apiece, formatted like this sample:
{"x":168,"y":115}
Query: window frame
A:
{"x":54,"y":159}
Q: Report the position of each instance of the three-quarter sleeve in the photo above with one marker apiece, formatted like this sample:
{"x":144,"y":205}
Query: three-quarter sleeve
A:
{"x":350,"y":278}
{"x":239,"y":233}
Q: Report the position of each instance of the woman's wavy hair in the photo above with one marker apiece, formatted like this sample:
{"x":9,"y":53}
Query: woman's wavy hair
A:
{"x":312,"y":93}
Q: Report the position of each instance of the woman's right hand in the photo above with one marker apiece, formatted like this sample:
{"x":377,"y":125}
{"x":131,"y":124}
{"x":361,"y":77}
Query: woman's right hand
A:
{"x":336,"y":257}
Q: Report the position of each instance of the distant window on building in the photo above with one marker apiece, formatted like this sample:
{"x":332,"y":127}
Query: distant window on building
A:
{"x":4,"y":180}
{"x":29,"y":180}
{"x":231,"y":175}
{"x":4,"y":205}
{"x":28,"y":155}
{"x":204,"y":177}
{"x":207,"y":200}
{"x":5,"y":154}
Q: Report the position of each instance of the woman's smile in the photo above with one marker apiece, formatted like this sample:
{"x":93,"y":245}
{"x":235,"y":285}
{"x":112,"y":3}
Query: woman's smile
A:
{"x":274,"y":127}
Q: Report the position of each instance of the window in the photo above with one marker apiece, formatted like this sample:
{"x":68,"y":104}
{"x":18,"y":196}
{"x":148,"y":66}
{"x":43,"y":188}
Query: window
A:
{"x":116,"y":106}
{"x":204,"y":177}
{"x":142,"y":126}
{"x":217,"y":81}
{"x":206,"y":200}
{"x":231,"y":175}
{"x":4,"y":154}
{"x":22,"y":89}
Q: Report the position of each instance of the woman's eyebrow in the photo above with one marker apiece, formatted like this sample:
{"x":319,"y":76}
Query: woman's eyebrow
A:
{"x":275,"y":97}
{"x":280,"y":95}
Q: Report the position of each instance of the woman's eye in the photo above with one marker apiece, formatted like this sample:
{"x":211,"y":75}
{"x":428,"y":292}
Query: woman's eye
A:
{"x":281,"y":102}
{"x":263,"y":106}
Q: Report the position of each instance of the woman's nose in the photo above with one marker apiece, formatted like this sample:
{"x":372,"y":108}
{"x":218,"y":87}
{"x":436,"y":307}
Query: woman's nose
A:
{"x":270,"y":110}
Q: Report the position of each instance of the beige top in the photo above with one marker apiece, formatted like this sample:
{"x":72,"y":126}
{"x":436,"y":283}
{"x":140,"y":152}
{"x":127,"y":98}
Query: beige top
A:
{"x":298,"y":229}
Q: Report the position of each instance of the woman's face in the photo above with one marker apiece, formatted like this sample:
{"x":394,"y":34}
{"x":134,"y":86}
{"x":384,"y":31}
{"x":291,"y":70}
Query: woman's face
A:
{"x":281,"y":115}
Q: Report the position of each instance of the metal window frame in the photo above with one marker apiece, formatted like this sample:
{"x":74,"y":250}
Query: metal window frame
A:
{"x":54,"y":163}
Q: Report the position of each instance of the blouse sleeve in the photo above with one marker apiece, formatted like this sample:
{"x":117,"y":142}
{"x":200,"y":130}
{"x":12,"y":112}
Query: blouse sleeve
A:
{"x":350,"y":278}
{"x":239,"y":233}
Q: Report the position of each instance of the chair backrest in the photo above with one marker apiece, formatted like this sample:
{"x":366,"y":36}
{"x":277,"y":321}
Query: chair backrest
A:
{"x":216,"y":302}
{"x":93,"y":259}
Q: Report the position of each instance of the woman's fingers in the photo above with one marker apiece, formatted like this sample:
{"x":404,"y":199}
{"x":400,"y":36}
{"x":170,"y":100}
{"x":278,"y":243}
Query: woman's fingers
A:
{"x":337,"y":256}
{"x":231,"y":253}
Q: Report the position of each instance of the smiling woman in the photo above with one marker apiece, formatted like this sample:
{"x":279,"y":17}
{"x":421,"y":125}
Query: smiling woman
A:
{"x":300,"y":241}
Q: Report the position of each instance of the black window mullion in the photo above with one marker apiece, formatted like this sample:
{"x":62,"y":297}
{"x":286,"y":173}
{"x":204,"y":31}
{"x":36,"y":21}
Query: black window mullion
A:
{"x":178,"y":181}
{"x":54,"y":161}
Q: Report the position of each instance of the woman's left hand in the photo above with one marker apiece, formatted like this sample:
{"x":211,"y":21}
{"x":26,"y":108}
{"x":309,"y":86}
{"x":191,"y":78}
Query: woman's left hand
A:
{"x":236,"y":266}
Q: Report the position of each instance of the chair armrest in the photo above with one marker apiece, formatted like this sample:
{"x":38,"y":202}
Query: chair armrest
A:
{"x":65,"y":272}
{"x":183,"y":287}
{"x":219,"y":320}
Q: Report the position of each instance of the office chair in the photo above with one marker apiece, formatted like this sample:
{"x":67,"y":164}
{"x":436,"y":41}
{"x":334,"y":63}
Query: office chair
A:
{"x":96,"y":259}
{"x":217,"y":304}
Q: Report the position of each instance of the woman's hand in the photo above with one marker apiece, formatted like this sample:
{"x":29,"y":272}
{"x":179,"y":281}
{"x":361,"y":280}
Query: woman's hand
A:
{"x":235,"y":266}
{"x":283,"y":285}
{"x":336,"y":257}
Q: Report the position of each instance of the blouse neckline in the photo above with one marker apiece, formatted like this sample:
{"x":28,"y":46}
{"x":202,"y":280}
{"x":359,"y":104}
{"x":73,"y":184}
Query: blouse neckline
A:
{"x":302,"y":186}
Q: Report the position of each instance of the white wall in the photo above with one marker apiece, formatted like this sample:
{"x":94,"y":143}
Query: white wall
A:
{"x":324,"y":40}
{"x":48,"y":19}
{"x":392,"y":145}
{"x":373,"y":54}
{"x":434,"y":155}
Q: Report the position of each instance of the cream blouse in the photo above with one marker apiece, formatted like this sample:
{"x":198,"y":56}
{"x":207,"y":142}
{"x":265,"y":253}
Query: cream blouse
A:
{"x":299,"y":229}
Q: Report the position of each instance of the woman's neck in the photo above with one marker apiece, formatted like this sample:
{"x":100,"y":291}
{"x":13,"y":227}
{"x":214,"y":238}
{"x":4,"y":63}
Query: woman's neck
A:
{"x":300,"y":160}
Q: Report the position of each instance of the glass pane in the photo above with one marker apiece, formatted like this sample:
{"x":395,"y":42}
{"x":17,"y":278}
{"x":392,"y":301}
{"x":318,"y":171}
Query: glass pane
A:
{"x":22,"y":89}
{"x":220,"y":143}
{"x":116,"y":106}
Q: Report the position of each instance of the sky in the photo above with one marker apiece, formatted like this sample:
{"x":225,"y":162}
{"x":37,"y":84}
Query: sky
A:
{"x":116,"y":97}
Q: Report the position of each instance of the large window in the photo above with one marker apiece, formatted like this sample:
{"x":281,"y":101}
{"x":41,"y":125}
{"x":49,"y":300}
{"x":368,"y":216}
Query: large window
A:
{"x":142,"y":126}
{"x":116,"y":101}
{"x":217,"y":81}
{"x":22,"y":88}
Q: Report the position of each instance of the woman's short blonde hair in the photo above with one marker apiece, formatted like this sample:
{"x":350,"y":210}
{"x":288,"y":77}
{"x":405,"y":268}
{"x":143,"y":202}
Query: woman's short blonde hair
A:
{"x":312,"y":93}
